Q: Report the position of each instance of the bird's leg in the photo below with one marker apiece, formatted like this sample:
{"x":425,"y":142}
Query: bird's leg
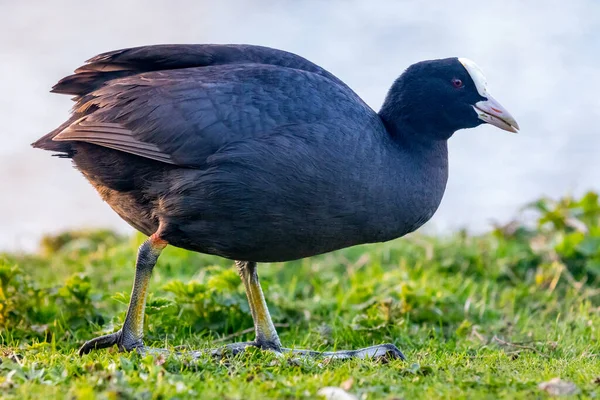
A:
{"x":266,"y":335}
{"x":130,"y":336}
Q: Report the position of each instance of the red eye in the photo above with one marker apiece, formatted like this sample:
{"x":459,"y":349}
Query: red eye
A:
{"x":457,"y":83}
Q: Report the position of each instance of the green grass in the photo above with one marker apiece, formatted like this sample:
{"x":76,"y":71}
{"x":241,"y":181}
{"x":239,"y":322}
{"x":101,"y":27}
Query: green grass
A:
{"x":487,"y":316}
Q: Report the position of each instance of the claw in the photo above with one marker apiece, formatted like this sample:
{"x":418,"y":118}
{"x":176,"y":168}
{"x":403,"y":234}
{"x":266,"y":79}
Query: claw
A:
{"x":117,"y":338}
{"x":100,"y":342}
{"x":382,"y":352}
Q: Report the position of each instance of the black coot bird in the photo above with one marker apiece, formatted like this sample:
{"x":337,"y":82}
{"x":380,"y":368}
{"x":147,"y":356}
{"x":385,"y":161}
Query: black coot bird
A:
{"x":259,"y":155}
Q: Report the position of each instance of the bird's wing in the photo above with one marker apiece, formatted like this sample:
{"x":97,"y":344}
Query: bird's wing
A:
{"x":132,"y":61}
{"x":183,"y":115}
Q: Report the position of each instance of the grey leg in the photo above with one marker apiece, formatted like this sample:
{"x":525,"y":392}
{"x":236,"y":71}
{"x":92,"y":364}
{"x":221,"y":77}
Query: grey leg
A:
{"x":130,"y":336}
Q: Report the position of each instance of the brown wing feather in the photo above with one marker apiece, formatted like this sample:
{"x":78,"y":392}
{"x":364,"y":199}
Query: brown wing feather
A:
{"x":112,"y":135}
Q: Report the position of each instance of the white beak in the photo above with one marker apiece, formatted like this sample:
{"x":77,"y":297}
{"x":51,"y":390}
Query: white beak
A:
{"x":493,"y":113}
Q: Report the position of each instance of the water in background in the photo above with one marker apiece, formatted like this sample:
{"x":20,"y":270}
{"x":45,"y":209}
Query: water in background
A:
{"x":542,"y":63}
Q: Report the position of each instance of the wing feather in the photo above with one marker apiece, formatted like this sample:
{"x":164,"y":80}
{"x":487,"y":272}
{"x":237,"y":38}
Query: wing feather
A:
{"x":112,"y":135}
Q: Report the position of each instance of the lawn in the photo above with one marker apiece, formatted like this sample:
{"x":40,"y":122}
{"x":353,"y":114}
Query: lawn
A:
{"x":478,"y":316}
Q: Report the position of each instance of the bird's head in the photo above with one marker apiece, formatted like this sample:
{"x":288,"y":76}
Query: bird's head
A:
{"x":438,"y":97}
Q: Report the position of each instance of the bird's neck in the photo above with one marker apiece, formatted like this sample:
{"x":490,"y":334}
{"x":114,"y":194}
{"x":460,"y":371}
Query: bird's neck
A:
{"x":409,"y":121}
{"x":413,"y":128}
{"x":427,"y":145}
{"x":417,"y":173}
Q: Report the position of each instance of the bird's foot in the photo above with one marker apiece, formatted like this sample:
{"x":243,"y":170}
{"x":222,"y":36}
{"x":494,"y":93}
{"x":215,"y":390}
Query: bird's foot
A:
{"x":379,"y":352}
{"x":124,"y":340}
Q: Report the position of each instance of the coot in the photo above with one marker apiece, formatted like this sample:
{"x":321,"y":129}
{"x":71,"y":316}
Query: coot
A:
{"x":258,"y":155}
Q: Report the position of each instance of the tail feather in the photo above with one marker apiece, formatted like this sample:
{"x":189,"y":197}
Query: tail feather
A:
{"x":64,"y":149}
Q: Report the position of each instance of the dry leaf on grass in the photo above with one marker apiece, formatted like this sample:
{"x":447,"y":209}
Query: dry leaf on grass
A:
{"x":558,"y":387}
{"x":347,"y":384}
{"x":335,"y":393}
{"x":160,"y":360}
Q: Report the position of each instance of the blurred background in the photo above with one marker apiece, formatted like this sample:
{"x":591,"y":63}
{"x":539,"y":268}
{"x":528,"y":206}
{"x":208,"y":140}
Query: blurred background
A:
{"x":542,"y":63}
